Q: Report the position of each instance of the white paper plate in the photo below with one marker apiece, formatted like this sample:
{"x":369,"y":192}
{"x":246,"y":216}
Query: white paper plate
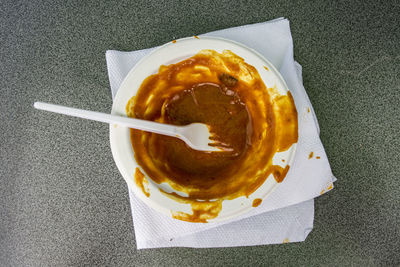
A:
{"x":121,"y":146}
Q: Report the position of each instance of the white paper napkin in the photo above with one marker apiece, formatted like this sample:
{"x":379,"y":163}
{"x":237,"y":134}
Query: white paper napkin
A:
{"x":287,"y":214}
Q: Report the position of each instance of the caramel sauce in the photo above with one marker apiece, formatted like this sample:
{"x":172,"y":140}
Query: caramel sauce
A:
{"x":311,"y":155}
{"x":201,"y":210}
{"x":141,"y":181}
{"x":257,"y":202}
{"x":279,"y":173}
{"x":251,"y":121}
{"x":317,"y":157}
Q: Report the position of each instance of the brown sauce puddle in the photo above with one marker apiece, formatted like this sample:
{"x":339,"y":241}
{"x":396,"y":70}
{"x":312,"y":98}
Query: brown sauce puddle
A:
{"x":227,"y":94}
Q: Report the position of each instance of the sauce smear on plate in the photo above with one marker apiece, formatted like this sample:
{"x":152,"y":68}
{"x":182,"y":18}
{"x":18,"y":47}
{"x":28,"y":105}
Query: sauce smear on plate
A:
{"x":248,"y":120}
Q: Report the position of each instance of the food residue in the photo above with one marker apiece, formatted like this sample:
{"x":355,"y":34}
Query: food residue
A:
{"x":329,"y":187}
{"x":308,"y":110}
{"x":197,"y":37}
{"x":141,"y":182}
{"x":311,"y":155}
{"x":265,"y":67}
{"x":317,"y":157}
{"x":279,"y":173}
{"x":286,"y":240}
{"x":173,"y":41}
{"x":224,"y":92}
{"x":201,"y":210}
{"x":257,"y":202}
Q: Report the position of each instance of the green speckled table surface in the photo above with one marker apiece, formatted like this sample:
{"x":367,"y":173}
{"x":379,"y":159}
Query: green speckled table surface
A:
{"x":63,"y":201}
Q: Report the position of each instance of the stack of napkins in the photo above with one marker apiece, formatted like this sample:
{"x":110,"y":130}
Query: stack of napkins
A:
{"x":287,"y":214}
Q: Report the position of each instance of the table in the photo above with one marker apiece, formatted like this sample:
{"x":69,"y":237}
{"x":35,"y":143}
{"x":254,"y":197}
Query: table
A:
{"x":63,"y":201}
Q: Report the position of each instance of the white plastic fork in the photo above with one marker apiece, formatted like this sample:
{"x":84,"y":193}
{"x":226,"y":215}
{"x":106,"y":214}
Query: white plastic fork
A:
{"x":195,"y":135}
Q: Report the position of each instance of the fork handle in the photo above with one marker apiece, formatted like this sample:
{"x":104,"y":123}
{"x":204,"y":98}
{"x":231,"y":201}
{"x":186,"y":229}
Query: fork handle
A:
{"x":143,"y":125}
